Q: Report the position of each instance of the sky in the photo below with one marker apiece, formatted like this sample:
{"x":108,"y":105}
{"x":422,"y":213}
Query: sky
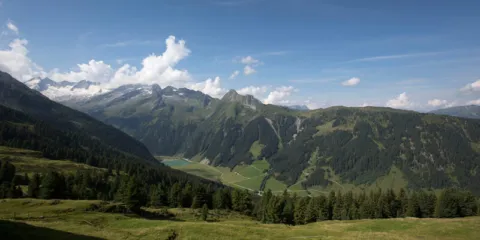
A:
{"x":419,"y":55}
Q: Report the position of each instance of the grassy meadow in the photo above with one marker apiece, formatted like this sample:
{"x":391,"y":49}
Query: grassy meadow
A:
{"x":68,"y":219}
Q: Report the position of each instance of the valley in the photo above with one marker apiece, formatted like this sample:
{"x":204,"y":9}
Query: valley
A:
{"x":239,"y":119}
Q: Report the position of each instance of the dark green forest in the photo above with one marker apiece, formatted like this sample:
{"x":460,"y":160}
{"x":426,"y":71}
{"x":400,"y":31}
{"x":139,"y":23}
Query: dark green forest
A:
{"x":134,"y":192}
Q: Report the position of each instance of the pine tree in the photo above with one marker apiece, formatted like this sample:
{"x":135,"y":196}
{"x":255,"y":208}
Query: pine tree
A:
{"x":331,"y":204}
{"x":187,"y":196}
{"x":338,"y":208}
{"x":236,"y":198}
{"x":156,"y":196}
{"x":311,"y":211}
{"x":52,"y":186}
{"x":403,"y":203}
{"x":34,"y":186}
{"x":174,"y":195}
{"x":322,"y":209}
{"x":134,"y":197}
{"x":204,"y":212}
{"x":367,"y":208}
{"x":263,"y":211}
{"x":199,"y":198}
{"x":413,"y":208}
{"x":299,"y":211}
{"x":288,"y":208}
{"x":7,"y":172}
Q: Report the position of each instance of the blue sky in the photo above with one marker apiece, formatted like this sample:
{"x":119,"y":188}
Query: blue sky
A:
{"x":404,"y":53}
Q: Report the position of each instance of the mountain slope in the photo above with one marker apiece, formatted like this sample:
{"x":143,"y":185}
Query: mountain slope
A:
{"x":310,"y":148}
{"x":470,"y":111}
{"x":36,"y":107}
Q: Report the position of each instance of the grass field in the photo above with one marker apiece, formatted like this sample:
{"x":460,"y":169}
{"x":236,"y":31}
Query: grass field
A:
{"x":27,"y":161}
{"x":39,"y":219}
{"x":242,"y":176}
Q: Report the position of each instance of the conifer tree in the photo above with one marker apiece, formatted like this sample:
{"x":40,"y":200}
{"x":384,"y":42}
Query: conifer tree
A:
{"x":311,"y":212}
{"x":204,"y":212}
{"x":331,"y":204}
{"x":34,"y":186}
{"x":403,"y":203}
{"x":288,"y":208}
{"x":338,"y":207}
{"x":323,"y":211}
{"x":413,"y":209}
{"x":299,"y":211}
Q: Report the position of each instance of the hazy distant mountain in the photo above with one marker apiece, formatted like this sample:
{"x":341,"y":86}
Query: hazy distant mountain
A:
{"x":65,"y":90}
{"x":470,"y":111}
{"x":299,"y":107}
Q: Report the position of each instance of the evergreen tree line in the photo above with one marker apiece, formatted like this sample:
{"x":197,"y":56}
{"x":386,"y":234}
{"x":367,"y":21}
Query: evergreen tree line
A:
{"x":135,"y":192}
{"x":291,"y":209}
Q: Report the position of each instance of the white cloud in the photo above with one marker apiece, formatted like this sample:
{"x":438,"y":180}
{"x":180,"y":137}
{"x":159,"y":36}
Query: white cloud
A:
{"x":249,"y":60}
{"x":365,"y":104}
{"x":474,"y":102}
{"x":278,"y":95}
{"x":437,"y":102}
{"x":402,"y":101}
{"x":257,"y":92}
{"x":351,"y":82}
{"x":158,"y":69}
{"x":313,"y":105}
{"x":249,"y":70}
{"x":14,"y":60}
{"x":210,"y":87}
{"x":12,"y":27}
{"x":234,"y":74}
{"x":97,"y":71}
{"x":475,"y":86}
{"x":155,"y":69}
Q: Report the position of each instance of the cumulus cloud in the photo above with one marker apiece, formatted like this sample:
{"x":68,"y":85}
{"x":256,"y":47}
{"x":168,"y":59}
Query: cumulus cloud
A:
{"x":234,"y":74}
{"x":249,"y":60}
{"x":97,"y":71}
{"x":15,"y":61}
{"x":155,"y":69}
{"x":12,"y":27}
{"x":474,"y":102}
{"x":249,"y":70}
{"x":158,"y":69}
{"x":437,"y":102}
{"x":471,"y":87}
{"x":210,"y":87}
{"x":351,"y":82}
{"x":401,"y":101}
{"x":257,"y":92}
{"x":279,"y":94}
{"x":313,"y":104}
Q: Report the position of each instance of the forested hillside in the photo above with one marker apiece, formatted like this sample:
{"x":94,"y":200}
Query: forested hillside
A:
{"x":310,"y":148}
{"x":15,"y":95}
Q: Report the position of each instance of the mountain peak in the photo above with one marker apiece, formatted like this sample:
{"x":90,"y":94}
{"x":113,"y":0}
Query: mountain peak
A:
{"x":247,"y":100}
{"x":232,"y":94}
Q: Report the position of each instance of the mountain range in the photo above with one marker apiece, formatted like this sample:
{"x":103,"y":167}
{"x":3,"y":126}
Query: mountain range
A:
{"x":470,"y":111}
{"x":312,"y":148}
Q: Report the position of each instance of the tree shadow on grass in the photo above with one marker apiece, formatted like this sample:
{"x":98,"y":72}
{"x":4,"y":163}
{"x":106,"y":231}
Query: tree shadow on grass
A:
{"x":20,"y":231}
{"x":153,"y":215}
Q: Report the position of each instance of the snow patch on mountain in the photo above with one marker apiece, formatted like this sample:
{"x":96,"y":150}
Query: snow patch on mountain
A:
{"x":65,"y":90}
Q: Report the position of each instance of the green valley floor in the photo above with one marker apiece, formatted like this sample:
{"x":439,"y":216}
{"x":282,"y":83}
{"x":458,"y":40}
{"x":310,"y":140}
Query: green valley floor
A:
{"x":67,"y":219}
